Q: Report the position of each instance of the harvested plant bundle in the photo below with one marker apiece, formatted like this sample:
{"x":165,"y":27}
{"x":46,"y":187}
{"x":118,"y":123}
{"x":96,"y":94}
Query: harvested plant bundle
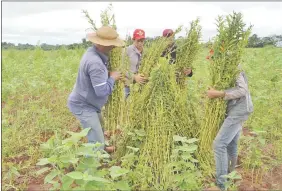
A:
{"x":154,"y":113}
{"x":187,"y":53}
{"x":151,"y":55}
{"x":187,"y":122}
{"x":113,"y":111}
{"x":115,"y":108}
{"x":150,"y":59}
{"x":227,"y":52}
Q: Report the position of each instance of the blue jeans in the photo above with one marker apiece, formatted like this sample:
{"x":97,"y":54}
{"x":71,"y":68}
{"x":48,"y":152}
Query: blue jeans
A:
{"x":126,"y":91}
{"x":90,"y":119}
{"x":225,"y":148}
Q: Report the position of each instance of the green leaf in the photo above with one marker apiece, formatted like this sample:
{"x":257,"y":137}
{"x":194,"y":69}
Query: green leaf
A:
{"x":84,"y":132}
{"x":186,"y":156}
{"x":68,"y":159}
{"x":74,"y":160}
{"x":194,"y":160}
{"x":178,"y":178}
{"x":97,"y":179}
{"x":101,"y":173}
{"x":128,"y":157}
{"x":43,"y":161}
{"x":262,"y":141}
{"x":130,"y":134}
{"x":122,"y":185}
{"x":192,"y":148}
{"x":140,"y":132}
{"x":64,"y":159}
{"x":238,"y":177}
{"x":192,"y":140}
{"x":133,"y":148}
{"x":71,"y":141}
{"x":41,"y":171}
{"x":90,"y":145}
{"x":15,"y":171}
{"x":232,"y":174}
{"x":45,"y":146}
{"x":83,"y":151}
{"x":116,"y":171}
{"x":91,"y":162}
{"x":189,"y":148}
{"x":178,"y":138}
{"x":105,"y":156}
{"x":75,"y":175}
{"x":66,"y":182}
{"x":79,"y":182}
{"x":50,"y":176}
{"x":56,"y":185}
{"x":95,"y":186}
{"x":53,"y":159}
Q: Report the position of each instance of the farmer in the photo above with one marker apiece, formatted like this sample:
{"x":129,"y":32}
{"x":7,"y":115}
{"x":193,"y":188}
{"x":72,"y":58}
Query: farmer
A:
{"x":171,"y":49}
{"x":94,"y":84}
{"x":134,"y":52}
{"x":239,"y":107}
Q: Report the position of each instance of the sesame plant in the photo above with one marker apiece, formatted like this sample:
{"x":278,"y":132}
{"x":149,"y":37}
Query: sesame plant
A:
{"x":74,"y":165}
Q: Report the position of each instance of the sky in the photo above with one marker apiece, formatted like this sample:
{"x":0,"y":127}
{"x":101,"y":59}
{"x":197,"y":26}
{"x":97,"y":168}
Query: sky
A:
{"x":64,"y":22}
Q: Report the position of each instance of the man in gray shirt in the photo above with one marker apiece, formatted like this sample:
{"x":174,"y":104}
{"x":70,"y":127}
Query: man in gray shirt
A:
{"x":239,"y":107}
{"x":94,"y":84}
{"x":134,"y":52}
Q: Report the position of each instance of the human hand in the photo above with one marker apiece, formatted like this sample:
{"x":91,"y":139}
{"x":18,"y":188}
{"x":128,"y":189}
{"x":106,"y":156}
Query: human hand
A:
{"x":116,"y":75}
{"x":140,"y":79}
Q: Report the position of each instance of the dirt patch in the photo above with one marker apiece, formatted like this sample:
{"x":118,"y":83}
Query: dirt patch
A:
{"x":269,"y":150}
{"x":248,"y":132}
{"x":274,"y":177}
{"x":13,"y":112}
{"x":37,"y":185}
{"x":3,"y":104}
{"x":30,"y":97}
{"x":271,"y":180}
{"x":17,"y":159}
{"x":75,"y":126}
{"x":45,"y":136}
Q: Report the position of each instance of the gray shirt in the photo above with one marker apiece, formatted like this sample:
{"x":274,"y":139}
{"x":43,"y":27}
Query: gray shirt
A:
{"x":93,"y":84}
{"x":134,"y":58}
{"x":239,"y":98}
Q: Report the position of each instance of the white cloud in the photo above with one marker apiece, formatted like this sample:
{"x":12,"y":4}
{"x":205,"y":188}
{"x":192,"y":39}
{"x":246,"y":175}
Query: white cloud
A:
{"x":57,"y":23}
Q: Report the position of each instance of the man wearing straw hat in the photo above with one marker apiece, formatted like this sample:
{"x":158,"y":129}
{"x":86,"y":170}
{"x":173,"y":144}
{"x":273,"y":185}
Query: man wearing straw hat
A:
{"x":94,"y":83}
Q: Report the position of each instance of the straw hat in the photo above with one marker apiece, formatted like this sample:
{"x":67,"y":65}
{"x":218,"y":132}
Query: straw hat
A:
{"x":106,"y":36}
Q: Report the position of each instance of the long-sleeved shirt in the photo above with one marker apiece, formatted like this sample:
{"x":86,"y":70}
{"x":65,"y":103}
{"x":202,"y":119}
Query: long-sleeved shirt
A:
{"x":134,"y":60}
{"x":239,"y":98}
{"x":93,"y":84}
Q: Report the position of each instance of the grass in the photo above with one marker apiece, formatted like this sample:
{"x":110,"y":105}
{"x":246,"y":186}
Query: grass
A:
{"x":36,"y":84}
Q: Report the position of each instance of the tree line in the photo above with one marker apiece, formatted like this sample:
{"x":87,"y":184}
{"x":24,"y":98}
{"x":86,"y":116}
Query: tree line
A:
{"x":254,"y":42}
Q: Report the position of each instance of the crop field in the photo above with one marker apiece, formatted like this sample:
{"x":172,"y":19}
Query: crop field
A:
{"x":35,"y":120}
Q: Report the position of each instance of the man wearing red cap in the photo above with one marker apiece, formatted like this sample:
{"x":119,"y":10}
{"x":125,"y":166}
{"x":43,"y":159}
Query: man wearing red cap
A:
{"x":171,"y":49}
{"x":134,"y":52}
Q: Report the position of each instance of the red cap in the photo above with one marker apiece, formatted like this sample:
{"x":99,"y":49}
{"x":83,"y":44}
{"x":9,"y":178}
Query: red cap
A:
{"x":167,"y":32}
{"x":138,"y":34}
